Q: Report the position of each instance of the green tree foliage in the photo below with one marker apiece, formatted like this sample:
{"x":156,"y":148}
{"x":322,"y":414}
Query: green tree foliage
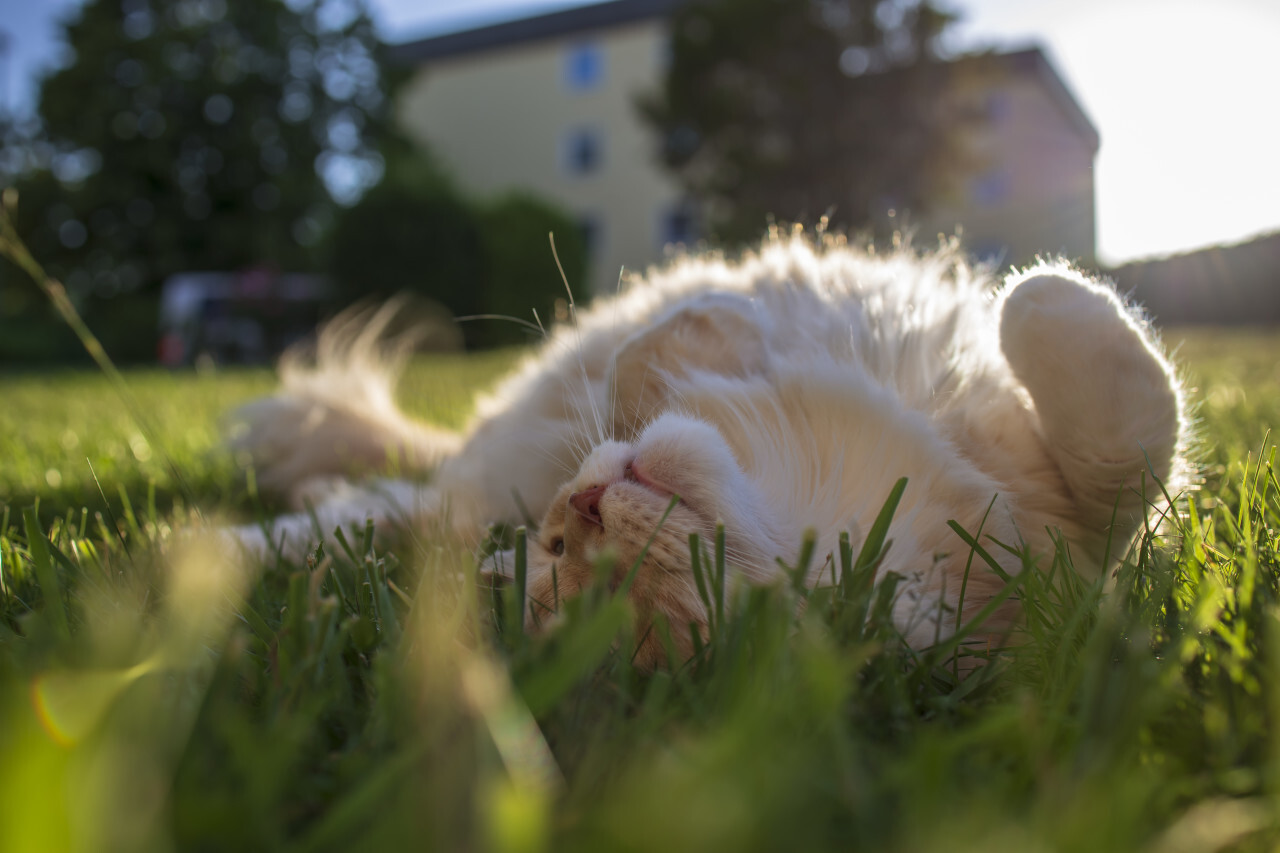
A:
{"x":197,"y":134}
{"x":795,"y":109}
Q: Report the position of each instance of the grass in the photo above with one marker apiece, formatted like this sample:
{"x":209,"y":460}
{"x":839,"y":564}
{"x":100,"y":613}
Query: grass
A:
{"x":65,"y":434}
{"x":153,"y":695}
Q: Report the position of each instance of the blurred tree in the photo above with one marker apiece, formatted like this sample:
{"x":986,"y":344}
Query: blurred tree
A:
{"x":30,"y":329}
{"x":794,"y":109}
{"x":197,"y":134}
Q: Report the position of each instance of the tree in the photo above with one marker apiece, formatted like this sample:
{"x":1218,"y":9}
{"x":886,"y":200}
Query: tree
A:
{"x":795,"y":109}
{"x":199,"y":134}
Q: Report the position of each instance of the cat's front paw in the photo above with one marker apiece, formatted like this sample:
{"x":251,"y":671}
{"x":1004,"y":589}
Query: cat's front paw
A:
{"x":289,"y":537}
{"x":315,"y":491}
{"x":254,"y":542}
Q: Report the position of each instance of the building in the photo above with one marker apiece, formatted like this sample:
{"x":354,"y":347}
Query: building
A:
{"x":1032,"y":189}
{"x":546,"y":104}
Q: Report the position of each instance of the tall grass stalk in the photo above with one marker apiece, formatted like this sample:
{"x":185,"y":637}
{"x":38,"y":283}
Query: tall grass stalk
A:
{"x":12,"y":247}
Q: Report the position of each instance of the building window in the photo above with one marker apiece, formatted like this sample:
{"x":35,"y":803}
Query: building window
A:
{"x":584,"y":67}
{"x":991,"y":188}
{"x":583,"y":151}
{"x":678,"y":225}
{"x":999,"y":106}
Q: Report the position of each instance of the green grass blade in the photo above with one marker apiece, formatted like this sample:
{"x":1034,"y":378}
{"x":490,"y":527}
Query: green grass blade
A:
{"x":874,"y":544}
{"x":519,"y":598}
{"x":46,"y":575}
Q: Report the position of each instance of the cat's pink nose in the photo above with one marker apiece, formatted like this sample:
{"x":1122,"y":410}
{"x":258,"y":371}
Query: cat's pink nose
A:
{"x":587,"y":504}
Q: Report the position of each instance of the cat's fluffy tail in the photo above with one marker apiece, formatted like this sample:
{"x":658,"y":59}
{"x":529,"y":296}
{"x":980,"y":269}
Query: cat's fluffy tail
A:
{"x":335,"y":413}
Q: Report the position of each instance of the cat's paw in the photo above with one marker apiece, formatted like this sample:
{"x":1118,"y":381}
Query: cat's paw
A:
{"x":315,"y":491}
{"x":287,"y":537}
{"x":1106,"y":399}
{"x":1072,"y":342}
{"x":1054,"y":304}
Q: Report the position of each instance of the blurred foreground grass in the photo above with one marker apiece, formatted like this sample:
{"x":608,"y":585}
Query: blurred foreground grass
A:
{"x":155,"y":695}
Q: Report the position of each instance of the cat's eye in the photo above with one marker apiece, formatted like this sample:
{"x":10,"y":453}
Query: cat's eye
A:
{"x":557,"y":546}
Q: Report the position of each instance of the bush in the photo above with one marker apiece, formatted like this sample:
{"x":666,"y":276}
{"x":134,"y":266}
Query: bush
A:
{"x":523,"y":276}
{"x":127,"y":326}
{"x":38,"y":338}
{"x":407,"y":237}
{"x":415,"y":234}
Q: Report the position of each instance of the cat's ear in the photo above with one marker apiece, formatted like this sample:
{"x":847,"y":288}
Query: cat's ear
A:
{"x":716,"y":333}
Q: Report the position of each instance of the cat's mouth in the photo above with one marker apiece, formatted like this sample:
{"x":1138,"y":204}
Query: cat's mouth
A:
{"x":586,"y":503}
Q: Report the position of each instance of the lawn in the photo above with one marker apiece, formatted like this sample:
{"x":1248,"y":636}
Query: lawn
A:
{"x":154,"y":695}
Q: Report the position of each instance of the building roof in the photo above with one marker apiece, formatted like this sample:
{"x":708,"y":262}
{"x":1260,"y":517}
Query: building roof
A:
{"x":1031,"y":61}
{"x":552,"y":25}
{"x":612,"y":13}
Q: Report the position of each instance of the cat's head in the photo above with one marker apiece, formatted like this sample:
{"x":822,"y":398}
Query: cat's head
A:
{"x":636,"y":504}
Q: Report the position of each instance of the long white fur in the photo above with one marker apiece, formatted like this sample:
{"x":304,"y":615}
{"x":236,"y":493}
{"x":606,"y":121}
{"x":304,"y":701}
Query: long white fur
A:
{"x":827,"y":372}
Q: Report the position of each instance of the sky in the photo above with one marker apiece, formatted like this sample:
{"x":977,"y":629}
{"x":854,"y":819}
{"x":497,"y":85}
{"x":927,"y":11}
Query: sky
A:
{"x":1185,"y":95}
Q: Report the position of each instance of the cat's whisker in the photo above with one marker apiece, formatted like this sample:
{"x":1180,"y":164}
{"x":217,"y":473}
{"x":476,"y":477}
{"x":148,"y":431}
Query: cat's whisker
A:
{"x":545,"y":335}
{"x":567,"y":468}
{"x":581,"y":399}
{"x":594,"y":410}
{"x":580,"y":435}
{"x":581,"y":446}
{"x":613,"y":386}
{"x":584,"y":375}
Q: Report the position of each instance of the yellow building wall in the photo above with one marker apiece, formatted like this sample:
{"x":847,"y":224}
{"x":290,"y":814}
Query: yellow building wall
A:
{"x":499,"y":120}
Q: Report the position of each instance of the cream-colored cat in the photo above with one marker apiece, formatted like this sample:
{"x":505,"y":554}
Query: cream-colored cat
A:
{"x":784,"y":392}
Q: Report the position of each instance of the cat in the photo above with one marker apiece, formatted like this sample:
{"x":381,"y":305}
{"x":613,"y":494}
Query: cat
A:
{"x":782,"y":392}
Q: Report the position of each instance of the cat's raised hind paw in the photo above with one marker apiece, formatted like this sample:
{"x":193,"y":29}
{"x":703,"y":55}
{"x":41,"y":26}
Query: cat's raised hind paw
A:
{"x":1105,"y":397}
{"x":1081,"y":354}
